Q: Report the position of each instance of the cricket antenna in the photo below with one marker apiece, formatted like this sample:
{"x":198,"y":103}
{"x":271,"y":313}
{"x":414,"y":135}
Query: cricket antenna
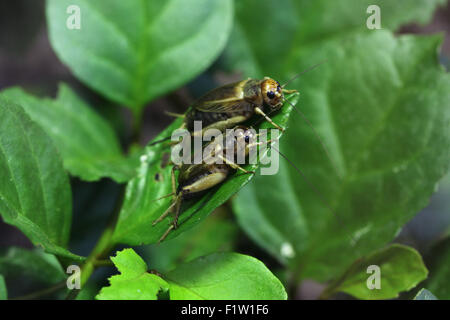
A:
{"x":304,"y":71}
{"x":324,"y":147}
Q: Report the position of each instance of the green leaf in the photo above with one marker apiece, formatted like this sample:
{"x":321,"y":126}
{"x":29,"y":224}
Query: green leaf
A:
{"x":35,"y":193}
{"x":28,"y":271}
{"x":400,"y":269}
{"x":216,"y":276}
{"x":217,"y":233}
{"x":134,"y":51}
{"x":32,"y":265}
{"x":258,"y":48}
{"x":133,"y":283}
{"x":438,"y":281}
{"x":224,"y":276}
{"x":140,"y":208}
{"x":381,"y":105}
{"x":424,"y":294}
{"x":3,"y":290}
{"x":88,"y":145}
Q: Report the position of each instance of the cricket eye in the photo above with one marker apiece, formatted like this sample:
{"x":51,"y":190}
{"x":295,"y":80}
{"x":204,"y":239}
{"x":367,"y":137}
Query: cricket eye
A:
{"x":247,"y":139}
{"x":270,"y":94}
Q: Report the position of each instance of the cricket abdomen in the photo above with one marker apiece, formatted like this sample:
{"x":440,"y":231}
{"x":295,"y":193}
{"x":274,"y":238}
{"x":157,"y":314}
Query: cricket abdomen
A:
{"x":199,"y":183}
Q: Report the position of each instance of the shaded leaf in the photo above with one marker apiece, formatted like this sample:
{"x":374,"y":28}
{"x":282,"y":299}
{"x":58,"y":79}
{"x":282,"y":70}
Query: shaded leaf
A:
{"x":154,"y":181}
{"x":3,"y":291}
{"x":35,"y":193}
{"x":381,"y":105}
{"x":88,"y":145}
{"x":400,"y":269}
{"x":266,"y":34}
{"x":439,"y":265}
{"x":28,"y":271}
{"x":216,"y":234}
{"x":133,"y":51}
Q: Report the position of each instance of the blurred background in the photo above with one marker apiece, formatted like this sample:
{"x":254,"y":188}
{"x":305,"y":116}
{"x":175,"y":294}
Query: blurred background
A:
{"x":27,"y":60}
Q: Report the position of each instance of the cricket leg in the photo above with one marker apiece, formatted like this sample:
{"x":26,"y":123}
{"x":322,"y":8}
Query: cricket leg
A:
{"x":165,"y":214}
{"x":289,"y":91}
{"x":176,"y":115}
{"x":165,"y":234}
{"x":260,"y":112}
{"x":234,"y":165}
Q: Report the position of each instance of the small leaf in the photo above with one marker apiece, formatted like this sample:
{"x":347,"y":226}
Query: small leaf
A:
{"x":224,"y":276}
{"x":400,"y":269}
{"x":140,"y":208}
{"x":133,"y":283}
{"x":35,"y":193}
{"x":88,"y":145}
{"x":3,"y":291}
{"x":134,"y":51}
{"x":424,"y":294}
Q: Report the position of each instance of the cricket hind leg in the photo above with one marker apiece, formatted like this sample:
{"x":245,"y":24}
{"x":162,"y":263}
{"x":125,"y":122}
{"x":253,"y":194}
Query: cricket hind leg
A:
{"x":173,"y":194}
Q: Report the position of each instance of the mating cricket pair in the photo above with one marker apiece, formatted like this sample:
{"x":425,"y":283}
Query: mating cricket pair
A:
{"x":223,"y":108}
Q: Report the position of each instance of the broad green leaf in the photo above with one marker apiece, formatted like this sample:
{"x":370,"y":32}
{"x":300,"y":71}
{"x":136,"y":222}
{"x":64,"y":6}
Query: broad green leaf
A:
{"x":224,"y":276}
{"x":216,"y":234}
{"x":424,"y":294}
{"x":134,"y":282}
{"x":400,"y":268}
{"x":381,"y":105}
{"x":3,"y":291}
{"x":439,"y":265}
{"x":267,"y":33}
{"x":35,"y":193}
{"x":154,"y":181}
{"x":134,"y":51}
{"x":88,"y":145}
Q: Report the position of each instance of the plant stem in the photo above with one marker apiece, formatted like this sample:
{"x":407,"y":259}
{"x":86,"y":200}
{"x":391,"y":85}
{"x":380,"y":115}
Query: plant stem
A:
{"x":103,"y":247}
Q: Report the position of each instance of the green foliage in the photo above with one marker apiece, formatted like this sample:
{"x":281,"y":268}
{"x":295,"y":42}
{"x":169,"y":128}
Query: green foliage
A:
{"x":88,"y":145}
{"x":33,"y":264}
{"x":216,"y":276}
{"x":3,"y":291}
{"x":258,"y":48}
{"x":424,"y":294}
{"x":134,"y":51}
{"x":34,"y":190}
{"x":401,"y":269}
{"x":439,"y":263}
{"x":380,"y":103}
{"x":26,"y":270}
{"x":140,"y":208}
{"x":215,"y":234}
{"x":133,"y":282}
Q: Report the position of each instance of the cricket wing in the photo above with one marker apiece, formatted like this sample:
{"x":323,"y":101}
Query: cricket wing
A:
{"x":228,"y":98}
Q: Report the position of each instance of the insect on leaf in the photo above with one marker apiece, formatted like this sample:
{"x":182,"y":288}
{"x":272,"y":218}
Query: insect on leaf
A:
{"x":154,"y":181}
